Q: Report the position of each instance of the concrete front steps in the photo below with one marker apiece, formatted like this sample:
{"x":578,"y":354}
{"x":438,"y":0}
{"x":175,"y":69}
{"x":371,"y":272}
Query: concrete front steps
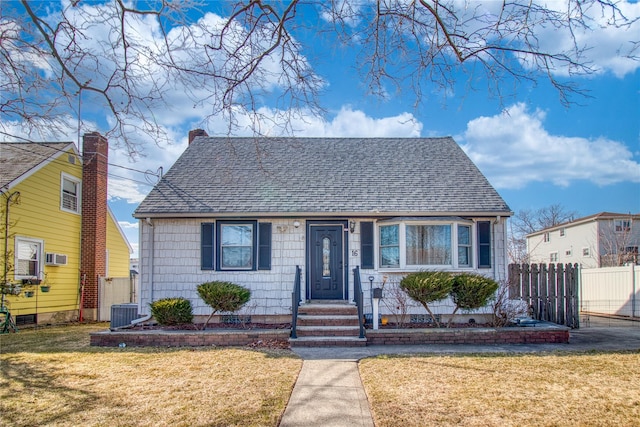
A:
{"x":324,"y":324}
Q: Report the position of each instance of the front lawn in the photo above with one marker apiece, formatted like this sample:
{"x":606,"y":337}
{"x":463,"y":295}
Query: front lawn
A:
{"x":51,"y":376}
{"x":594,"y":389}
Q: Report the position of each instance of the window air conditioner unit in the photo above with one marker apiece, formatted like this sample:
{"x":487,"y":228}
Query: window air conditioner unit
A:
{"x":55,"y":259}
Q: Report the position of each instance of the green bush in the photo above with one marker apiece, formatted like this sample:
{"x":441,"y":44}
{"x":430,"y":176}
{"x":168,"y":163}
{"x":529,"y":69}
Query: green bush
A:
{"x":223,"y":297}
{"x":471,"y":291}
{"x":426,"y":287}
{"x":172,"y":311}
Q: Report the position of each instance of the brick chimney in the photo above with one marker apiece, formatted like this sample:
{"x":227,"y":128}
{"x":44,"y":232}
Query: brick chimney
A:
{"x":196,"y":132}
{"x":93,"y":247}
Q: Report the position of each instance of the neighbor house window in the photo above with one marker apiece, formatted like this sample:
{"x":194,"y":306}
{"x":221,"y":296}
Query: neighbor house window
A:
{"x":553,"y":257}
{"x":235,"y":245}
{"x":547,"y":237}
{"x":586,"y":252}
{"x":622,"y":225}
{"x":28,"y":258}
{"x":70,"y":194}
{"x":413,"y":244}
{"x":562,"y":232}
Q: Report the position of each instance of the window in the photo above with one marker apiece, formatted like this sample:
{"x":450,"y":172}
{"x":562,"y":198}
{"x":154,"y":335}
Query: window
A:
{"x":547,"y":237}
{"x":553,"y":257}
{"x":28,"y":258}
{"x":586,"y":252}
{"x":567,"y":252}
{"x":235,"y":245}
{"x":428,"y":244}
{"x":412,"y":244}
{"x":464,"y":246}
{"x":622,"y":225}
{"x":389,"y":246}
{"x":70,"y":194}
{"x":562,"y":232}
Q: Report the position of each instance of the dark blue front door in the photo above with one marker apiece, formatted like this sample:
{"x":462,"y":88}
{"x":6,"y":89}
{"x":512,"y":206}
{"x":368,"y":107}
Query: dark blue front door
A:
{"x":326,"y":262}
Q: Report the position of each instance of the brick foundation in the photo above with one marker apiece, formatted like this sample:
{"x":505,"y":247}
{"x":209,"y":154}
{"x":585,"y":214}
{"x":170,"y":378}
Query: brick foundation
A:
{"x":156,"y":338}
{"x":224,"y":338}
{"x":515,"y":335}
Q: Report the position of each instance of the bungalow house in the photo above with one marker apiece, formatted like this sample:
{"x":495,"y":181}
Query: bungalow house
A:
{"x":249,"y":210}
{"x":57,"y":229}
{"x":605,"y":239}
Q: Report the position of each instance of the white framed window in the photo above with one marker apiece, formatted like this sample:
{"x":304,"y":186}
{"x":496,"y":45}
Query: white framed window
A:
{"x":237,"y":245}
{"x":464,"y":246}
{"x":413,"y":244}
{"x":586,"y":252}
{"x":563,"y":232}
{"x":28,"y":258}
{"x":553,"y":257}
{"x":70,"y":192}
{"x":622,"y":225}
{"x":568,"y":252}
{"x":547,"y":237}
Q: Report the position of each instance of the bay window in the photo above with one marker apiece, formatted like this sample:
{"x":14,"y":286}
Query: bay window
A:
{"x":413,"y":244}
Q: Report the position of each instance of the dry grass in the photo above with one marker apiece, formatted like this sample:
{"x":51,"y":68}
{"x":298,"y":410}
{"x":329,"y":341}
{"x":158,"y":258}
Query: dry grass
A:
{"x":52,"y":377}
{"x":594,"y":389}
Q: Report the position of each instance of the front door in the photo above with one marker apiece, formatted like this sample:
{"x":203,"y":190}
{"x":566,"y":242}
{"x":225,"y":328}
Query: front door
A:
{"x":326,"y":262}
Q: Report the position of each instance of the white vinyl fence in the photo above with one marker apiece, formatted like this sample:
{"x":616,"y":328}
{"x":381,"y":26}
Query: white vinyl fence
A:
{"x":114,"y":290}
{"x":611,"y":290}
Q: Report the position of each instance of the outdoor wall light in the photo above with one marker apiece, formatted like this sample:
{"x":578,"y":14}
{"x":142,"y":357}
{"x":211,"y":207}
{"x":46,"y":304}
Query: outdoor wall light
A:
{"x":296,"y":223}
{"x":352,"y":226}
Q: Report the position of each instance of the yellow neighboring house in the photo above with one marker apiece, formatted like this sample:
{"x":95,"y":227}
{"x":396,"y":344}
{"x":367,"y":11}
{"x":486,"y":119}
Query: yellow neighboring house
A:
{"x":44,"y":227}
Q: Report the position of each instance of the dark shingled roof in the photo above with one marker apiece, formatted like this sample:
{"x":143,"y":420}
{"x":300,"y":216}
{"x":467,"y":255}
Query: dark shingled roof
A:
{"x":322,"y":176}
{"x":18,"y":158}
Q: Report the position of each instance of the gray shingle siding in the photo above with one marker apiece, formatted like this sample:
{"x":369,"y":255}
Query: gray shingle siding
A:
{"x":221,"y":176}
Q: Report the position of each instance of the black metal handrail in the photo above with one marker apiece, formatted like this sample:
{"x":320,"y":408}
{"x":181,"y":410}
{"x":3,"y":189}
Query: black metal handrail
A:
{"x":295,"y":301}
{"x":357,"y":290}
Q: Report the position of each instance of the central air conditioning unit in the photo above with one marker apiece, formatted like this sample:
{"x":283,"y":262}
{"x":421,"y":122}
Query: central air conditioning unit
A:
{"x":55,"y":259}
{"x":123,"y":314}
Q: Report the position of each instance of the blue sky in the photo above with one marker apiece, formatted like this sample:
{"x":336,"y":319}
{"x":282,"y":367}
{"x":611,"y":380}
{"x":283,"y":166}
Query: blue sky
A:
{"x":532,"y":148}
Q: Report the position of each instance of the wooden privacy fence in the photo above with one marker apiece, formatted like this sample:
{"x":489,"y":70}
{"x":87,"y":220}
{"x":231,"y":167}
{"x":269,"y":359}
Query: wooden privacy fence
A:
{"x":551,"y":292}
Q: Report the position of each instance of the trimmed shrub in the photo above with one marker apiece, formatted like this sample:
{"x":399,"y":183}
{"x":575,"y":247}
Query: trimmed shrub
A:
{"x":172,"y":311}
{"x":426,"y":287}
{"x":223,"y":297}
{"x":471,"y":291}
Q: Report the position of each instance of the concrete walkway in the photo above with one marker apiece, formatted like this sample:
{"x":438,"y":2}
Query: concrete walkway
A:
{"x":329,"y":391}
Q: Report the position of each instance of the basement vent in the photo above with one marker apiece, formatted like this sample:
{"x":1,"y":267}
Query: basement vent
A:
{"x":123,"y":314}
{"x":55,"y":259}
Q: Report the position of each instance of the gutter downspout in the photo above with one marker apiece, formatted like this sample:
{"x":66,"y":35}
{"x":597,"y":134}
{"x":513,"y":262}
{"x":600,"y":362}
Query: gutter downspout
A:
{"x":151,"y":253}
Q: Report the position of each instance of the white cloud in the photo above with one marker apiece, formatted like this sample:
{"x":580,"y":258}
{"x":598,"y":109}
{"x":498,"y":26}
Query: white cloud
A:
{"x":513,"y":149}
{"x":607,"y":47}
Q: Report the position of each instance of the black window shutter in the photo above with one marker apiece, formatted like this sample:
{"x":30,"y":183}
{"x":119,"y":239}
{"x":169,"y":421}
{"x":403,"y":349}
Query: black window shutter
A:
{"x":484,"y":244}
{"x":264,"y":246}
{"x":366,"y":245}
{"x":207,"y":243}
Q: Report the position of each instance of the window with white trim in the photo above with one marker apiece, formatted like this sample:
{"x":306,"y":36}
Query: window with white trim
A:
{"x":553,"y":257}
{"x":622,"y":225}
{"x":586,"y":252}
{"x":237,"y":246}
{"x":414,"y":244}
{"x":28,"y":259}
{"x":70,"y":193}
{"x":547,"y":237}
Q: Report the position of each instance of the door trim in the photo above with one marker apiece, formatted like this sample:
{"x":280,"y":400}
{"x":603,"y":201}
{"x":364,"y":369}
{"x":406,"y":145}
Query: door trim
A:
{"x":345,"y":255}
